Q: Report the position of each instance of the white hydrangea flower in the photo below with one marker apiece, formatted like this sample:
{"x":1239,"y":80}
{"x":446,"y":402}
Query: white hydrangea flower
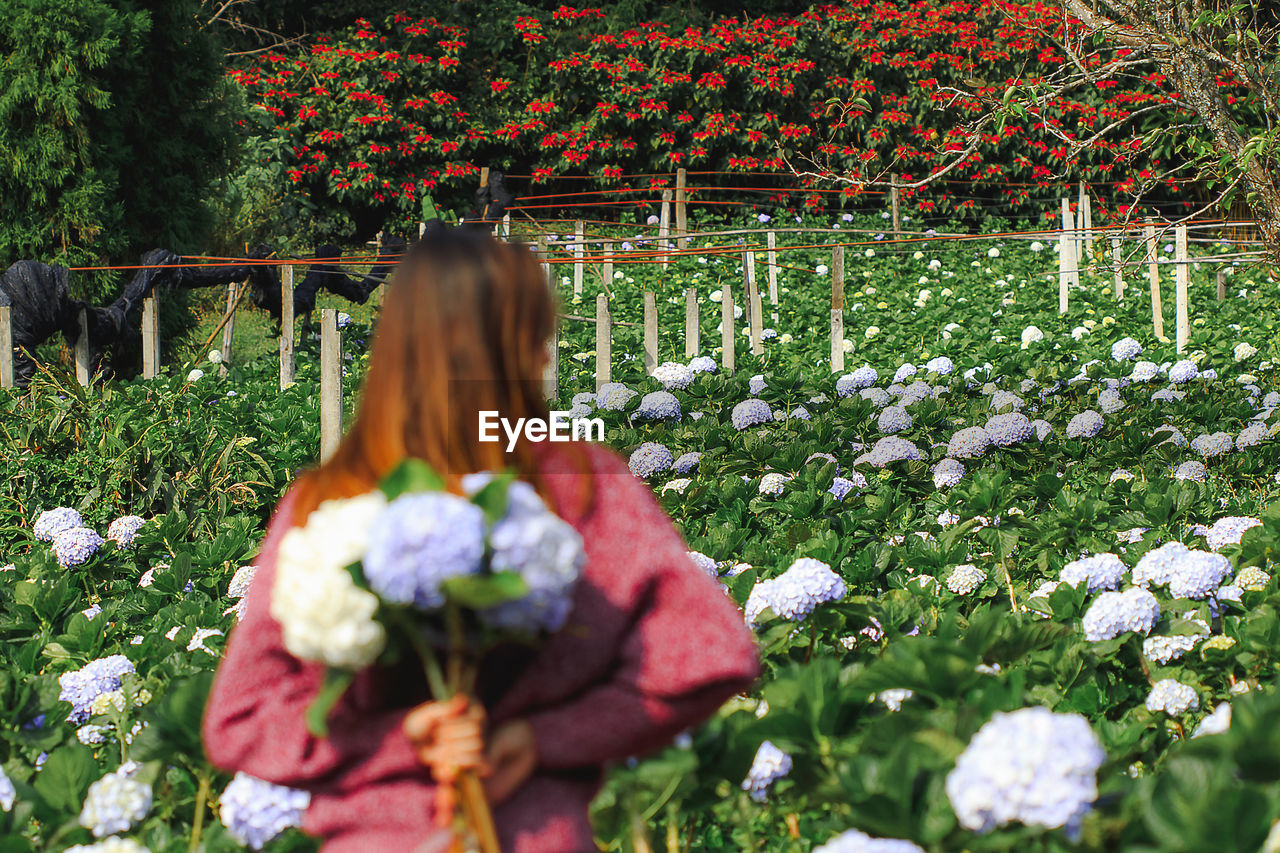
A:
{"x":324,"y":616}
{"x":115,"y":802}
{"x":965,"y":578}
{"x":1173,"y":697}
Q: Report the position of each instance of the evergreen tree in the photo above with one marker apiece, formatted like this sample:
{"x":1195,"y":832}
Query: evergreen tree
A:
{"x":112,"y":129}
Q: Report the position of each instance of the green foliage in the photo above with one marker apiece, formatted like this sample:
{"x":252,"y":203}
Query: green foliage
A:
{"x":112,"y":129}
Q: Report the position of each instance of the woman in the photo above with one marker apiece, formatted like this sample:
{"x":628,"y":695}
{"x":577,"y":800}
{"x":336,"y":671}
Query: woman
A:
{"x":652,"y":646}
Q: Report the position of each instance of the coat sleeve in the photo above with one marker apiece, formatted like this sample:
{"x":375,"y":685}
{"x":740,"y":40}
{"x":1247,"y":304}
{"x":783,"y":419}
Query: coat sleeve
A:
{"x":254,"y":718}
{"x":685,"y":651}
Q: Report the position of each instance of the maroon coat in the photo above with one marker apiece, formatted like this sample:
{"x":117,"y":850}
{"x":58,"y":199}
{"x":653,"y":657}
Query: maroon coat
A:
{"x":652,"y":647}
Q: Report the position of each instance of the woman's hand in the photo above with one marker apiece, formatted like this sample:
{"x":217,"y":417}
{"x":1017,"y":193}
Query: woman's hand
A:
{"x":510,"y":759}
{"x":448,"y":738}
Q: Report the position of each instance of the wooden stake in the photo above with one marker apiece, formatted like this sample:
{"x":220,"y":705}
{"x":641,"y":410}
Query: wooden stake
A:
{"x":650,"y":331}
{"x":1222,"y":284}
{"x":607,"y":272}
{"x":422,"y":229}
{"x":682,"y":215}
{"x":893,"y":200}
{"x":1153,"y":276}
{"x":604,"y":341}
{"x":727,"y":339}
{"x":286,"y":326}
{"x":1115,"y":268}
{"x":664,"y":226}
{"x":837,"y":310}
{"x":771,"y":266}
{"x":756,"y":320}
{"x":83,"y":374}
{"x":1182,"y":276}
{"x":578,"y":248}
{"x":506,"y":226}
{"x":551,"y":373}
{"x":330,"y":383}
{"x":1086,"y":222}
{"x":1066,"y":258}
{"x":229,"y":330}
{"x":692,"y":331}
{"x":6,"y":346}
{"x":150,"y":337}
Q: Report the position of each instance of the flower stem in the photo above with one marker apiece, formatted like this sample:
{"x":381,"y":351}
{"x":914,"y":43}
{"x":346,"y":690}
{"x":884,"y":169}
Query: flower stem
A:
{"x":197,"y":823}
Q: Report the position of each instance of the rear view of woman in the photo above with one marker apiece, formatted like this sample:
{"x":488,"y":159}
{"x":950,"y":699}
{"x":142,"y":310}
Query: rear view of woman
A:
{"x":652,"y":645}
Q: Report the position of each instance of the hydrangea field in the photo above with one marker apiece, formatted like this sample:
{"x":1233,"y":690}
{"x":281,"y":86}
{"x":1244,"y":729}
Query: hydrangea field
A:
{"x":1011,"y":571}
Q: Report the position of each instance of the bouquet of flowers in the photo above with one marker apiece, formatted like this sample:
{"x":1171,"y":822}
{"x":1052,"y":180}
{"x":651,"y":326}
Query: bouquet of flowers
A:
{"x":412,"y":568}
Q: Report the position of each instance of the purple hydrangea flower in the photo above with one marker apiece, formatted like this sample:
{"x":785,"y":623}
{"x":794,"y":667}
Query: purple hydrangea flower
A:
{"x":1008,"y":429}
{"x":75,"y":545}
{"x":659,"y":405}
{"x":688,"y":462}
{"x":750,"y":412}
{"x":418,"y":542}
{"x":125,"y":529}
{"x":51,"y":522}
{"x":82,"y":686}
{"x":255,"y":811}
{"x":969,"y":443}
{"x":649,"y":459}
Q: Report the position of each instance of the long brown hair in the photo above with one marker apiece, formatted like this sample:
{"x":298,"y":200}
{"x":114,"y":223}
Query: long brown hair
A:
{"x":462,"y":330}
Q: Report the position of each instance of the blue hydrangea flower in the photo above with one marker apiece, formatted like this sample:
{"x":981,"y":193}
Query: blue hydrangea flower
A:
{"x":614,"y":396}
{"x":888,"y":450}
{"x":841,"y":486}
{"x":750,"y":412}
{"x":75,"y":545}
{"x":893,"y":419}
{"x":115,"y":802}
{"x":703,"y":364}
{"x":672,"y":374}
{"x":940,"y":365}
{"x":1126,"y":349}
{"x":1110,"y":401}
{"x":1114,"y":613}
{"x":863,"y":377}
{"x":1188,"y":573}
{"x":877,"y":397}
{"x":255,"y":811}
{"x":1167,"y":395}
{"x":650,"y":459}
{"x":1031,"y":766}
{"x":1229,"y":531}
{"x":1102,"y":571}
{"x":756,"y":384}
{"x":1191,"y":470}
{"x":853,"y":841}
{"x":1008,"y":429}
{"x":51,"y":522}
{"x":1210,"y":445}
{"x":1182,"y":372}
{"x":419,"y":541}
{"x":659,"y":405}
{"x":1145,"y":371}
{"x":1252,"y":435}
{"x":705,"y":563}
{"x":125,"y":529}
{"x":1001,"y":399}
{"x":82,"y":686}
{"x":795,"y":593}
{"x":1043,"y":429}
{"x":904,"y":373}
{"x":769,"y":765}
{"x":800,"y":413}
{"x":1169,"y":434}
{"x":688,"y":462}
{"x":8,"y":794}
{"x":584,"y":398}
{"x":947,"y":473}
{"x":969,"y":443}
{"x":548,"y":553}
{"x":1087,"y":424}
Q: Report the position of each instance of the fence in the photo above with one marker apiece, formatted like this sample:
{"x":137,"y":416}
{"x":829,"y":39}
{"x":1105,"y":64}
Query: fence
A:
{"x":1076,"y":236}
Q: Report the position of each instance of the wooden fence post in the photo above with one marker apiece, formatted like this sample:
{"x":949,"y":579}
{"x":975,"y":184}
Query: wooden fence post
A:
{"x":771,"y":266}
{"x":229,"y":330}
{"x":894,"y":201}
{"x":604,"y":341}
{"x":1222,"y":284}
{"x":150,"y":336}
{"x":837,"y":310}
{"x":727,"y":339}
{"x":682,"y":214}
{"x":607,"y":265}
{"x":1086,"y":222}
{"x":83,"y":368}
{"x":756,"y":319}
{"x":1066,"y":258}
{"x":286,"y":326}
{"x":330,"y":382}
{"x":1153,"y":276}
{"x":6,"y":346}
{"x":1115,"y":268}
{"x":578,"y":249}
{"x":506,"y":226}
{"x":692,"y":331}
{"x":664,"y":226}
{"x":1182,"y":276}
{"x":650,"y":331}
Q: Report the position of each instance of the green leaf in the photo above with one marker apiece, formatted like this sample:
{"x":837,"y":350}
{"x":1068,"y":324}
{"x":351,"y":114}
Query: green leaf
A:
{"x":66,"y":776}
{"x":481,"y":591}
{"x":492,"y":499}
{"x":336,"y":682}
{"x":411,"y":475}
